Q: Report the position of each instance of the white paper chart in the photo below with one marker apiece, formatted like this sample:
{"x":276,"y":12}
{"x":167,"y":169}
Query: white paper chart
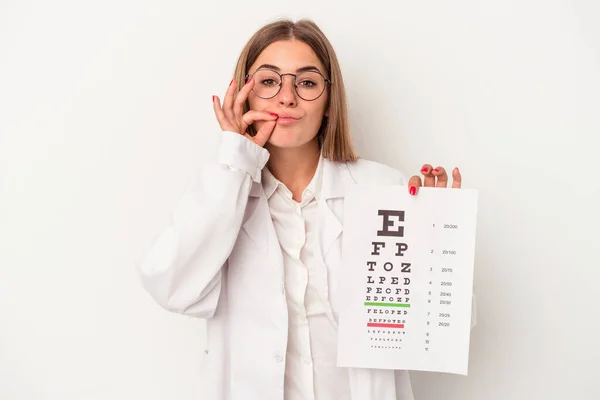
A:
{"x":408,"y":278}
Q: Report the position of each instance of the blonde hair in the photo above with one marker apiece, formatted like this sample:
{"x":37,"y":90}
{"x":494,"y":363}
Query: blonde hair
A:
{"x":334,"y":134}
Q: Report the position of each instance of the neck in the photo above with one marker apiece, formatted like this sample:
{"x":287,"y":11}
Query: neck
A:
{"x":295,"y":167}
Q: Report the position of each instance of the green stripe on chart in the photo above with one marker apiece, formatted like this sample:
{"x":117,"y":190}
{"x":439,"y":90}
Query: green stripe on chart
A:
{"x":387,"y":304}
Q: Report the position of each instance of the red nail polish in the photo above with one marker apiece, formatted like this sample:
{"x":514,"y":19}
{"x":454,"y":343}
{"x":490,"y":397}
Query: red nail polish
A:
{"x":248,"y":81}
{"x":231,"y":83}
{"x":274,"y":115}
{"x":436,"y":170}
{"x":413,"y":190}
{"x":213,"y":98}
{"x":424,"y":170}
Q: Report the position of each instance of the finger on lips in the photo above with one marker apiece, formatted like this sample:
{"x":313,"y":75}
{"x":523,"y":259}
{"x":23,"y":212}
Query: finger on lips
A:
{"x":252,"y":116}
{"x":233,"y":106}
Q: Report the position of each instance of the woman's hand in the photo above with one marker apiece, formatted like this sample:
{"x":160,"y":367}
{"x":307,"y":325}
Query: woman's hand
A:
{"x":434,"y":177}
{"x":230,"y":116}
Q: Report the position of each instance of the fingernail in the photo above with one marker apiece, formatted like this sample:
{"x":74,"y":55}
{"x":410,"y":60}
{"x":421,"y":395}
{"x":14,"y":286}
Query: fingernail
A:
{"x":456,"y":169}
{"x":424,"y":170}
{"x":413,"y":190}
{"x":274,"y":115}
{"x":213,"y":98}
{"x":436,"y":170}
{"x":231,"y":83}
{"x":248,"y":81}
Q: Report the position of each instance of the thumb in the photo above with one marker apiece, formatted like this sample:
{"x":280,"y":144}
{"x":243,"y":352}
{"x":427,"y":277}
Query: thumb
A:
{"x":264,"y":133}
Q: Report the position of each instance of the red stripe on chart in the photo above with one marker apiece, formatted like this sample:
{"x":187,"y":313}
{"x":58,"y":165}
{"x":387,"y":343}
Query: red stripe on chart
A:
{"x":385,"y":325}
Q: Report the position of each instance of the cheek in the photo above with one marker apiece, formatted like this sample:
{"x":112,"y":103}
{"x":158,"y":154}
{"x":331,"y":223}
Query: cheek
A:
{"x":251,"y":103}
{"x":317,"y":113}
{"x":255,"y":103}
{"x":321,"y":106}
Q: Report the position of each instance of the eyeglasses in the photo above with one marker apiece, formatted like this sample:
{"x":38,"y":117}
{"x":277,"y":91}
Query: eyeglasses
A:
{"x":309,"y":85}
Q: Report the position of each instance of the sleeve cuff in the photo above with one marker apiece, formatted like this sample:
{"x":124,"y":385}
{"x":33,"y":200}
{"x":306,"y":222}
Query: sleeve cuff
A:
{"x":236,"y":151}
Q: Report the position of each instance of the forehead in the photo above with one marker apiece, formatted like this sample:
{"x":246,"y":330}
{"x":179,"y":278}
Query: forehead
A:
{"x":288,"y":55}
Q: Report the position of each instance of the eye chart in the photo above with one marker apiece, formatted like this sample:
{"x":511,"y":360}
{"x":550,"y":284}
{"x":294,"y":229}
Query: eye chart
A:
{"x":408,"y":278}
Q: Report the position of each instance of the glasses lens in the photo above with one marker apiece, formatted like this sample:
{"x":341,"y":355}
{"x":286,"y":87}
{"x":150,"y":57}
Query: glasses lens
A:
{"x":266,"y":83}
{"x":310,"y":85}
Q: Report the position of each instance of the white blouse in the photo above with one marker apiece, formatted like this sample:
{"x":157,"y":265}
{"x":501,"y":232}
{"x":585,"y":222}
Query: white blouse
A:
{"x":310,"y":364}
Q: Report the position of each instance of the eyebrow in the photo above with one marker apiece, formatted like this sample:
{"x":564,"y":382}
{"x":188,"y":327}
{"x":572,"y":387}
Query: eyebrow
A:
{"x":301,"y":69}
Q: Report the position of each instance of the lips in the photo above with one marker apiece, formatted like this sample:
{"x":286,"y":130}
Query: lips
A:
{"x":286,"y":120}
{"x":286,"y":116}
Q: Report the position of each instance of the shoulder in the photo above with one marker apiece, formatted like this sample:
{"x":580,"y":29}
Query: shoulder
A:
{"x":371,"y":172}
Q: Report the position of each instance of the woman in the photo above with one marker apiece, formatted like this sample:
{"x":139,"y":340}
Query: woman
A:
{"x":255,"y":242}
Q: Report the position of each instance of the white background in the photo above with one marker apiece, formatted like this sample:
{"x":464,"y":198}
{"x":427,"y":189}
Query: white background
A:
{"x":105,"y":113}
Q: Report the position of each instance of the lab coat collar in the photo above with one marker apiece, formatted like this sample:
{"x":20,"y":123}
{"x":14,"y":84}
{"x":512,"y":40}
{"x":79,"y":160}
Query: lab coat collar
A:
{"x":336,"y":177}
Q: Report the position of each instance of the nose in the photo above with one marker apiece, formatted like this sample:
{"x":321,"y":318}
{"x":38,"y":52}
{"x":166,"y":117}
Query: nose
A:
{"x":287,"y":94}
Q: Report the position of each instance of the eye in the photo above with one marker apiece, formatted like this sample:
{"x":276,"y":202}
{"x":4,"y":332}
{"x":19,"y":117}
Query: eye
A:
{"x":308,"y":84}
{"x":268,"y":82}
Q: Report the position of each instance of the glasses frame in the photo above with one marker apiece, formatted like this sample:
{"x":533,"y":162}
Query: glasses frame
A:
{"x":327,"y":81}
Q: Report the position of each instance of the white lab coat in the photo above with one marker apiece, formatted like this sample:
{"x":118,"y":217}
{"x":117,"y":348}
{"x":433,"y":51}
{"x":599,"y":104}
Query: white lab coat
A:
{"x":220,"y":260}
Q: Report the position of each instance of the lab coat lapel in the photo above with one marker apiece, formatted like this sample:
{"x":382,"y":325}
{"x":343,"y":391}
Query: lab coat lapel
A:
{"x":259,"y":225}
{"x":335,"y":178}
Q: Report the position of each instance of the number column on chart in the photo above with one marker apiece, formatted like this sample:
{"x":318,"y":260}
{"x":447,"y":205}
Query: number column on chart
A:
{"x":439,"y":282}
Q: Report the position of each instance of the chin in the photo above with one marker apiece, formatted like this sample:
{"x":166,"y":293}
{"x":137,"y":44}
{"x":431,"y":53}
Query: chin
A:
{"x":287,"y":139}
